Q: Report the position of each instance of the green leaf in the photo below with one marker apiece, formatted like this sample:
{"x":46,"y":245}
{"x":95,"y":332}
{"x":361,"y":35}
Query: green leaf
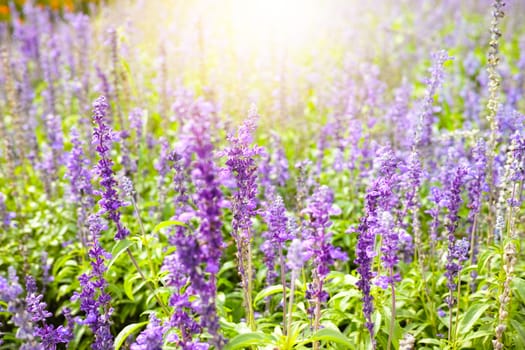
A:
{"x":471,"y":316}
{"x":162,"y":292}
{"x":267,"y":292}
{"x":520,"y":333}
{"x":243,"y":340}
{"x":430,"y":341}
{"x":126,"y":332}
{"x":118,"y":249}
{"x":167,"y":223}
{"x":480,"y":334}
{"x":519,"y":288}
{"x":329,"y":334}
{"x":128,"y":285}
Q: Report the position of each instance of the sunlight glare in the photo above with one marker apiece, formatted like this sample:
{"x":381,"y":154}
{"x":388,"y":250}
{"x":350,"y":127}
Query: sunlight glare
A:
{"x":281,"y":22}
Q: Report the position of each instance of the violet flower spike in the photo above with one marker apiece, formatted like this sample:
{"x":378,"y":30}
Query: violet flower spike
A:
{"x":242,"y":166}
{"x":103,"y":138}
{"x":379,"y":198}
{"x":319,"y":209}
{"x":50,"y":335}
{"x":94,"y":300}
{"x":152,"y":337}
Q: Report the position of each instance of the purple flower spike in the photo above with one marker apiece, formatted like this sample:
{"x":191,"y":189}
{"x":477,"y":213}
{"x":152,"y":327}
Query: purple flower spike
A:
{"x":319,"y":209}
{"x":152,"y":337}
{"x":242,"y":166}
{"x":49,"y":335}
{"x":379,"y":198}
{"x":457,"y":250}
{"x":276,"y":236}
{"x":5,"y":216}
{"x":94,"y":300}
{"x":103,"y":139}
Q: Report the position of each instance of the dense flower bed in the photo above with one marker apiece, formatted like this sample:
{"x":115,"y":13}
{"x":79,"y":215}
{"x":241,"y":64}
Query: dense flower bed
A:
{"x":166,"y":185}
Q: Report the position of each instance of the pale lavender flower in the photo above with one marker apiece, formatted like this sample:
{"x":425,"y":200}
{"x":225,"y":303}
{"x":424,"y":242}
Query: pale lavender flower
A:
{"x":6,"y":216}
{"x":136,"y":122}
{"x":279,"y":173}
{"x":298,"y":255}
{"x":10,"y":289}
{"x":77,"y":172}
{"x":161,"y":164}
{"x":423,"y":132}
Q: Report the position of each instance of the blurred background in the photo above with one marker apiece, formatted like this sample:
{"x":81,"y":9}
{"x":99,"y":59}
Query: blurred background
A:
{"x":295,"y":59}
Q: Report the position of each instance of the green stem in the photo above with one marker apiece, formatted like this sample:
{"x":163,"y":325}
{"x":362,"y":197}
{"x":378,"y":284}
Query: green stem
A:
{"x":283,"y":283}
{"x":248,"y":285}
{"x":144,"y":238}
{"x":317,"y":311}
{"x":290,"y":309}
{"x":457,"y":309}
{"x":450,"y":321}
{"x":393,"y":310}
{"x":152,"y":288}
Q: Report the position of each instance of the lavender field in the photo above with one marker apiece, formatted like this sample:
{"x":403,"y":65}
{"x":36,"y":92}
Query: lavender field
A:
{"x":262,"y":175}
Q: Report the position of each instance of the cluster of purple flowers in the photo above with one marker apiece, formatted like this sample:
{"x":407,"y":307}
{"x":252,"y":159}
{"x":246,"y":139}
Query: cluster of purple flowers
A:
{"x":457,"y":250}
{"x":426,"y":120}
{"x":241,"y":164}
{"x":208,"y":200}
{"x":318,"y":242}
{"x":276,"y":236}
{"x":274,"y":165}
{"x":46,"y":81}
{"x":80,"y":189}
{"x":152,"y":337}
{"x":50,"y":335}
{"x":199,"y":249}
{"x":318,"y":237}
{"x":379,"y":199}
{"x":10,"y":289}
{"x":184,"y":310}
{"x":242,"y":167}
{"x":94,"y":299}
{"x":30,"y":315}
{"x":103,"y":138}
{"x":6,"y":217}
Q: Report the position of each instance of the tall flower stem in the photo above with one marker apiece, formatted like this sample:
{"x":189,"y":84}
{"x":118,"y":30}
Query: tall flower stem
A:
{"x":450,"y":324}
{"x":457,"y":309}
{"x":317,"y":311}
{"x":393,"y":309}
{"x":283,"y":283}
{"x":290,"y":307}
{"x":493,"y":105}
{"x":250,"y":317}
{"x":242,"y":167}
{"x":152,"y":288}
{"x":143,"y":231}
{"x":472,"y":239}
